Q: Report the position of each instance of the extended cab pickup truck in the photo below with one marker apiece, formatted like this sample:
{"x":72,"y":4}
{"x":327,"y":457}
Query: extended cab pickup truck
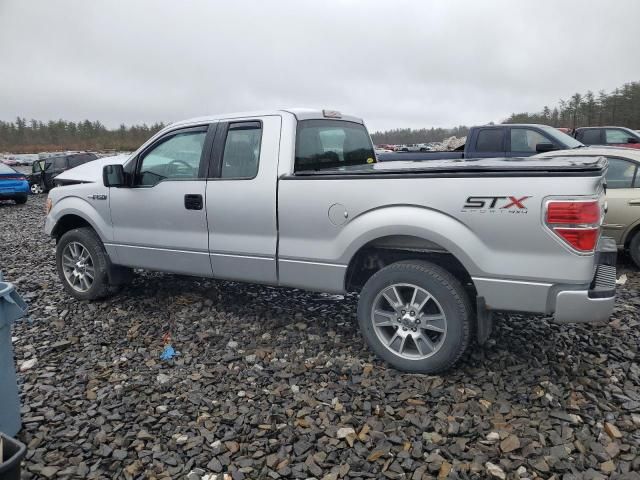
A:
{"x":490,"y":141}
{"x":295,"y":198}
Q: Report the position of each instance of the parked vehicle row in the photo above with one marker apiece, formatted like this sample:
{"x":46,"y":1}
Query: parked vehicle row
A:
{"x":285,"y":198}
{"x":507,"y":140}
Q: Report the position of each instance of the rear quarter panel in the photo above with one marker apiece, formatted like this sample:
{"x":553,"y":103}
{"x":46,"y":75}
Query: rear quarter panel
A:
{"x":494,"y":243}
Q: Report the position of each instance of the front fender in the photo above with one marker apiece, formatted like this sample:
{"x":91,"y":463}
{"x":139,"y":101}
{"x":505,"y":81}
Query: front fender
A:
{"x":78,"y":206}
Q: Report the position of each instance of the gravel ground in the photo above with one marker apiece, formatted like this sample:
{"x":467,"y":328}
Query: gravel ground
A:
{"x":276,"y":383}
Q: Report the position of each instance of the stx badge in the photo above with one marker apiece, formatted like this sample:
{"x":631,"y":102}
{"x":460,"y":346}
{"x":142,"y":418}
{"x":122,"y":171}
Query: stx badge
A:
{"x":510,"y":204}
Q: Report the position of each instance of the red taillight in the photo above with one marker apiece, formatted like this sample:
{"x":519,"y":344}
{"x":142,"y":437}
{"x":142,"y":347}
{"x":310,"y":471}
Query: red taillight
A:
{"x":583,"y":239}
{"x":576,"y":223}
{"x":573,"y":212}
{"x":14,"y":177}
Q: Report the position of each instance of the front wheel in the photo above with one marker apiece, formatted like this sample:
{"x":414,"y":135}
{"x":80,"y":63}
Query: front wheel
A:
{"x":36,"y":188}
{"x":83,"y":264}
{"x":416,"y":316}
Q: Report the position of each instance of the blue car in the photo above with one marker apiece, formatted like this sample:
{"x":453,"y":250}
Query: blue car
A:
{"x":13,"y":185}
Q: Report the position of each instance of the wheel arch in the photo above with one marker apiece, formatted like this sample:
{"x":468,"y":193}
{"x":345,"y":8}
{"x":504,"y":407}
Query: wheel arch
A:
{"x":68,"y":222}
{"x":633,"y":230}
{"x":385,"y":250}
{"x":73,"y":212}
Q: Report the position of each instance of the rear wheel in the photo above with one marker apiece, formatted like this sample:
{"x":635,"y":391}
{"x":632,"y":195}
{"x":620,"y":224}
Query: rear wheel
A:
{"x":634,"y":249}
{"x":416,"y":316}
{"x":83,"y":265}
{"x":36,"y":188}
{"x":21,"y":199}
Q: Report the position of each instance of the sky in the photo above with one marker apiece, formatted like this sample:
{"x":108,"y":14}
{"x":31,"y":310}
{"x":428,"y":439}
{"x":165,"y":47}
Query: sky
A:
{"x":395,"y":63}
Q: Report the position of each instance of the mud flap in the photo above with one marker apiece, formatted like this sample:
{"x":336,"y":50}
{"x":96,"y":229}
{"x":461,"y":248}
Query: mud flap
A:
{"x":484,"y":321}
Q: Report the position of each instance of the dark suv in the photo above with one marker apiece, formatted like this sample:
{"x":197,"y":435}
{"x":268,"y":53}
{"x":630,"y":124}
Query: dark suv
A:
{"x":44,"y":171}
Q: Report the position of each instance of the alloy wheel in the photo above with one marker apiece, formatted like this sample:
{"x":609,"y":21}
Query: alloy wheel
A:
{"x":77,"y":266}
{"x":409,"y":321}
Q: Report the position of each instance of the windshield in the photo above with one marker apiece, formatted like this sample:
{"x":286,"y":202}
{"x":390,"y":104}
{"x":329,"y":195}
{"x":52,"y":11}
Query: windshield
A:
{"x":322,"y":144}
{"x":6,"y":168}
{"x":562,"y":138}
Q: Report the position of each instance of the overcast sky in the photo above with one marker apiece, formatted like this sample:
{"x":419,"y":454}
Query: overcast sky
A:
{"x":394,"y":63}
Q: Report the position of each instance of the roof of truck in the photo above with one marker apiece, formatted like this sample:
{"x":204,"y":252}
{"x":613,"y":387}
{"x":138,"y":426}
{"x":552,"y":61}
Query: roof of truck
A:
{"x":299,"y":113}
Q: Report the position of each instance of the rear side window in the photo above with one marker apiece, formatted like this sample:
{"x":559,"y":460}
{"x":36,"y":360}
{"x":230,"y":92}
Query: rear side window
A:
{"x":589,"y":137}
{"x":490,"y":140}
{"x":323,"y":144}
{"x":620,"y":173}
{"x":77,"y":160}
{"x":60,"y":163}
{"x":242,"y":150}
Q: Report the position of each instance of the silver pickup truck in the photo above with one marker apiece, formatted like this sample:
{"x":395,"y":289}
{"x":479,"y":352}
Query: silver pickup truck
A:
{"x":296,"y":198}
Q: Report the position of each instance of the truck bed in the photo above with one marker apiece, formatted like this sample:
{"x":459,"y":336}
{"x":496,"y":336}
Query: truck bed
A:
{"x":507,"y":166}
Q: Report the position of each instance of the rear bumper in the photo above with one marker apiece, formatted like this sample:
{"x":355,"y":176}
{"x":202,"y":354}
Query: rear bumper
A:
{"x":568,"y":303}
{"x":596,"y":303}
{"x":14,"y":191}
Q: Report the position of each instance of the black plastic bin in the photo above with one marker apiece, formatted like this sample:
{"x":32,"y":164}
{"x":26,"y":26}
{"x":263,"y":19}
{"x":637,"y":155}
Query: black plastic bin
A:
{"x":13,"y":452}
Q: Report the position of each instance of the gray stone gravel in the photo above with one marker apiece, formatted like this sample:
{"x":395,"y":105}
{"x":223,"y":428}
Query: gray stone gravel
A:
{"x":276,"y":383}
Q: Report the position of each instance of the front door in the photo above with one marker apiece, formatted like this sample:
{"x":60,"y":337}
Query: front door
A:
{"x":159,"y":222}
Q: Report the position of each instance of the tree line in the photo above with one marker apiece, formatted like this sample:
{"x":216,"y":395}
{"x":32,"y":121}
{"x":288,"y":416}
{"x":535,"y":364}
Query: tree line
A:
{"x":32,"y":136}
{"x":620,"y":107}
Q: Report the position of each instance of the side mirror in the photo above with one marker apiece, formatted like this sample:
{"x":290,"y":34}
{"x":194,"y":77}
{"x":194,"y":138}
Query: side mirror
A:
{"x":545,"y":147}
{"x":113,"y":176}
{"x":632,"y":140}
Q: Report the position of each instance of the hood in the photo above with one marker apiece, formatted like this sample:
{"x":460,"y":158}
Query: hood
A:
{"x":91,"y":171}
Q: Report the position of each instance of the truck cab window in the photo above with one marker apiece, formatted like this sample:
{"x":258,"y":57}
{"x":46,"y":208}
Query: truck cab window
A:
{"x":324,"y":144}
{"x":615,"y":136}
{"x":177,"y":158}
{"x":490,"y":140}
{"x":242,"y":150}
{"x":590,"y":136}
{"x":525,"y":140}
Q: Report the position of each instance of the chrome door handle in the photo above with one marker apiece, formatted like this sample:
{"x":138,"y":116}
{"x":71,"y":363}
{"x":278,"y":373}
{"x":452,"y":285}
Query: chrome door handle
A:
{"x":635,"y":203}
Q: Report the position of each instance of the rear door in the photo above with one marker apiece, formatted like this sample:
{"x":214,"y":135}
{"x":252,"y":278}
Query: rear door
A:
{"x":489,"y":142}
{"x":241,"y":199}
{"x":159,"y":222}
{"x":623,"y":198}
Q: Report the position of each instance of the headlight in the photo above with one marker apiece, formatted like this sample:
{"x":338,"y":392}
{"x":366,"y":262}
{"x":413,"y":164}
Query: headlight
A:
{"x":48,"y":206}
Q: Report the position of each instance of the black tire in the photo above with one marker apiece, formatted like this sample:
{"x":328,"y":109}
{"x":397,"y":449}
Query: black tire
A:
{"x":87,"y":237}
{"x":451,"y":297}
{"x":21,"y":200}
{"x":634,"y":248}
